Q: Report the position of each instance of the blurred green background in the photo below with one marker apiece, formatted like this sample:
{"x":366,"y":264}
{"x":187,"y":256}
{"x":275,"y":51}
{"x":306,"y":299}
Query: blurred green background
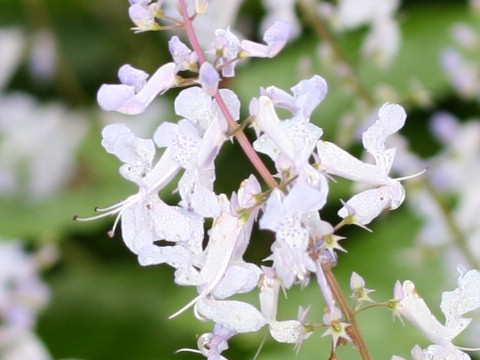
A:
{"x":104,"y":305}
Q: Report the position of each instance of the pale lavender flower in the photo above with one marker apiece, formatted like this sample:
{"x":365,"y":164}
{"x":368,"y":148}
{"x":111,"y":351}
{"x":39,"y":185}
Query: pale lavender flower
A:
{"x":182,"y":55}
{"x":359,"y":291}
{"x":136,"y":93}
{"x":211,"y":345}
{"x":220,"y":15}
{"x":196,"y":156}
{"x":26,"y":347}
{"x":143,"y":13}
{"x":208,"y":78}
{"x":237,"y":316}
{"x":275,"y":37}
{"x":465,"y":36}
{"x":226,"y":47}
{"x":337,"y":328}
{"x":284,"y":331}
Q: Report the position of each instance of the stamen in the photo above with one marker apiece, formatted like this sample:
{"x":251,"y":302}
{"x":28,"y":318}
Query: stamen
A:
{"x":412,"y":176}
{"x":110,"y":210}
{"x":467,"y":349}
{"x":117,"y":209}
{"x":190,"y":304}
{"x":188,"y":350}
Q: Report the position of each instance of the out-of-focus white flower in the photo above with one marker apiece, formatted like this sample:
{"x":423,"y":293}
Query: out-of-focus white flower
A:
{"x":22,"y":295}
{"x":281,"y":10}
{"x":37,"y":145}
{"x":12,"y":44}
{"x":43,"y":58}
{"x":465,"y":36}
{"x":383,"y":40}
{"x":26,"y":347}
{"x":463,"y":75}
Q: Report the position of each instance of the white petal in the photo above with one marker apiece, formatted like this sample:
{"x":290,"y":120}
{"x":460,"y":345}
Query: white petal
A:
{"x":414,"y":308}
{"x":338,"y":162}
{"x":236,"y":315}
{"x":289,"y":331}
{"x":462,"y":300}
{"x":369,"y":204}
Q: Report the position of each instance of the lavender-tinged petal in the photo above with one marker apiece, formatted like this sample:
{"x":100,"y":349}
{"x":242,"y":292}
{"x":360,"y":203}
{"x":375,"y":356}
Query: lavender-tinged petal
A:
{"x":113,"y":97}
{"x":276,"y":36}
{"x":208,"y":78}
{"x":162,"y":80}
{"x":309,"y":93}
{"x":176,"y":256}
{"x":140,"y":15}
{"x":280,"y":98}
{"x":194,"y":104}
{"x":129,"y":75}
{"x":182,"y":55}
{"x":462,"y":300}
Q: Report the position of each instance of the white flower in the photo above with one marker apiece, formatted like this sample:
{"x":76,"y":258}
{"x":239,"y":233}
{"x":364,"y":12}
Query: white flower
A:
{"x":455,"y":304}
{"x":287,"y":216}
{"x":275,"y":37}
{"x":290,"y":142}
{"x":145,"y":217}
{"x":284,"y":331}
{"x":388,"y":193}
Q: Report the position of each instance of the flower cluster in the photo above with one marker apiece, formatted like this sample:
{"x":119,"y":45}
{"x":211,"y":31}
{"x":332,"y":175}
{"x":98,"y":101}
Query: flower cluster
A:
{"x":304,"y":244}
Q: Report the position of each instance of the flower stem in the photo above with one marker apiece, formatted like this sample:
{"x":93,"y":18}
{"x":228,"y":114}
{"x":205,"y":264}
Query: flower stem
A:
{"x":232,"y":124}
{"x":354,"y":332}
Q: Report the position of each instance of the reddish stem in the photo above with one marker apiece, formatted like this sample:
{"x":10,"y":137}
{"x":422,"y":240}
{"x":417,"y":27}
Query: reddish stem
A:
{"x":232,"y":124}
